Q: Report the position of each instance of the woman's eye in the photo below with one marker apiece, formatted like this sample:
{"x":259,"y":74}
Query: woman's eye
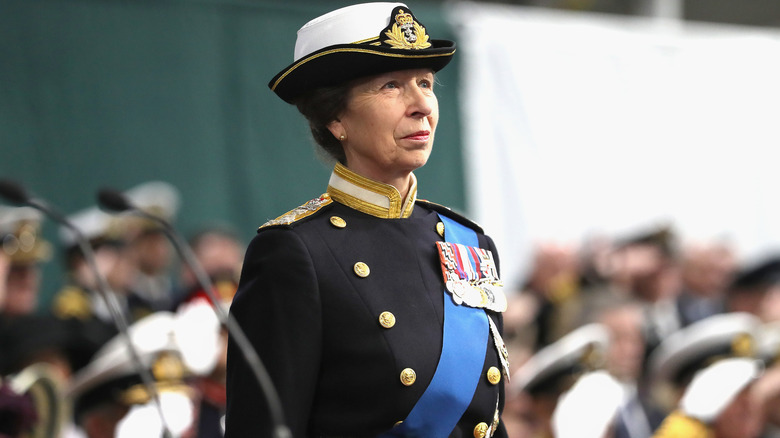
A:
{"x":426,"y":84}
{"x":390,"y":85}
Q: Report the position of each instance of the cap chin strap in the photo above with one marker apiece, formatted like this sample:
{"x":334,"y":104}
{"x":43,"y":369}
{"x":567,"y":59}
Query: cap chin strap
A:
{"x":464,"y":340}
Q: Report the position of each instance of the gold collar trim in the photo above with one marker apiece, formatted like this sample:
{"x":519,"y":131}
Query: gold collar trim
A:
{"x":369,"y":196}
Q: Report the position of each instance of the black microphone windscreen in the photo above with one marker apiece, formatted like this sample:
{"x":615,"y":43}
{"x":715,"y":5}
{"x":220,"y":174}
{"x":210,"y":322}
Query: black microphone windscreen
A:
{"x":113,"y":200}
{"x":13,"y":191}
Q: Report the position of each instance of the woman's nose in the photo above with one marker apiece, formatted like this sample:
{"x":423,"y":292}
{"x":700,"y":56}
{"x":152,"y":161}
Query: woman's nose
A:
{"x":419,"y":102}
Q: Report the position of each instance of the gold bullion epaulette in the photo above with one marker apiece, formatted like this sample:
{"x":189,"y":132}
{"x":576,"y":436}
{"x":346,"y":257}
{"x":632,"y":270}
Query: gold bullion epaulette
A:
{"x":72,"y":302}
{"x":300,"y":212}
{"x":452,"y":214}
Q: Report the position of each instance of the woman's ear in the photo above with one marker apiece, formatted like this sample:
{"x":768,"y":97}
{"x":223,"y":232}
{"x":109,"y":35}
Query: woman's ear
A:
{"x":337,"y":129}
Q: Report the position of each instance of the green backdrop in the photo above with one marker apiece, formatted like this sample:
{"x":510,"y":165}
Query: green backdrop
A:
{"x":112,"y":93}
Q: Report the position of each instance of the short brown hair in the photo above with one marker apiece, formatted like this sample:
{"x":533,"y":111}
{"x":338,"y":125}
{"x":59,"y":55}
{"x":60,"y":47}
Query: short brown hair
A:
{"x":320,"y":107}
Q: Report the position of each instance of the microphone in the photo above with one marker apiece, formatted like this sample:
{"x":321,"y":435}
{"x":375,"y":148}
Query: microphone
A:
{"x":13,"y":192}
{"x":17,"y":194}
{"x":119,"y":203}
{"x":114,"y":201}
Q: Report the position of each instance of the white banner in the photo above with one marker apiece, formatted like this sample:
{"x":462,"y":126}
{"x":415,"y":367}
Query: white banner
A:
{"x":580,"y":123}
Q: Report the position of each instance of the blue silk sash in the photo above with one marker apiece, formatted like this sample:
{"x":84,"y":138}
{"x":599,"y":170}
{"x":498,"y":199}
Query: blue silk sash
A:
{"x":464,"y":340}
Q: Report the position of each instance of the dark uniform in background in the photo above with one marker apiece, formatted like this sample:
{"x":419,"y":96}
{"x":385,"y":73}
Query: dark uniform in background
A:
{"x":344,"y":301}
{"x":132,"y":253}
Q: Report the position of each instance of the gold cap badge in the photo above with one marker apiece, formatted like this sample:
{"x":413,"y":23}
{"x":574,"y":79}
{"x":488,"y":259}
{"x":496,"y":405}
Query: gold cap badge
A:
{"x":407,"y":33}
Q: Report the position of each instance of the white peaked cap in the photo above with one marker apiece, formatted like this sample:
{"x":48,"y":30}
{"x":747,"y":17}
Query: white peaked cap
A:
{"x":343,"y":26}
{"x":589,"y":407}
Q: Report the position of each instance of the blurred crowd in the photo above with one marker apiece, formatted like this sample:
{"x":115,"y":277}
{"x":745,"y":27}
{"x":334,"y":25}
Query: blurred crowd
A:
{"x":611,"y":338}
{"x":65,"y":366}
{"x":646,"y":316}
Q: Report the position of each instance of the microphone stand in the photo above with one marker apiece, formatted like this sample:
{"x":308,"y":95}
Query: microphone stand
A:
{"x":117,"y":202}
{"x":17,"y":194}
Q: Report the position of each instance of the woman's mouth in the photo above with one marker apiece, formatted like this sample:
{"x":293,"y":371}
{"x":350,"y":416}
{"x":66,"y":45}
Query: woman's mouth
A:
{"x":419,"y":136}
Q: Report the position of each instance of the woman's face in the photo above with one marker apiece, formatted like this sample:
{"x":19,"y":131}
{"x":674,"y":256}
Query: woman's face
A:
{"x":389,"y":124}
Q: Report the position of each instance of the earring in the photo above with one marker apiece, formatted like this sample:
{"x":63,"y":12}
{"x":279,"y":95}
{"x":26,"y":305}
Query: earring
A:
{"x":342,"y":137}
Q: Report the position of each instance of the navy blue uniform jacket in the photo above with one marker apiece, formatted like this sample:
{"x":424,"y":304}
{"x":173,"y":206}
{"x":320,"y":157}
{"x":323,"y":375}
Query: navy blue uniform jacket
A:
{"x":315,"y":323}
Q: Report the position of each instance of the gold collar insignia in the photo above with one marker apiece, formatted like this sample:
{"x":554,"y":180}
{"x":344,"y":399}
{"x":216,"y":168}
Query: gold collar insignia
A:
{"x":369,"y":196}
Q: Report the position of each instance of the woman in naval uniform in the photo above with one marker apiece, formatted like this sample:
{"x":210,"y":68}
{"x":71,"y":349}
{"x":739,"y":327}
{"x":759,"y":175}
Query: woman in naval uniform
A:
{"x":375,"y":313}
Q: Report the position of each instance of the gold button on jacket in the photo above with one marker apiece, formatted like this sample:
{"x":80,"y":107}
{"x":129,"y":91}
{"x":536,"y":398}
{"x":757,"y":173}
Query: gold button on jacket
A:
{"x":362,"y":270}
{"x":480,"y":430}
{"x":338,"y":222}
{"x":440,"y":228}
{"x":387,"y":319}
{"x":494,"y":375}
{"x":408,"y":377}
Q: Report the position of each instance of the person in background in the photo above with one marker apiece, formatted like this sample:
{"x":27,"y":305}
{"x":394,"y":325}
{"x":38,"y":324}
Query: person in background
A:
{"x":148,"y":246}
{"x":21,"y":255}
{"x":81,"y":297}
{"x":538,"y":384}
{"x":554,"y":284}
{"x":756,"y":289}
{"x":707,"y":270}
{"x":646,"y":266}
{"x":111,"y":400}
{"x":715,"y":404}
{"x":376,"y":313}
{"x":624,"y":319}
{"x":33,"y":342}
{"x":220,"y":253}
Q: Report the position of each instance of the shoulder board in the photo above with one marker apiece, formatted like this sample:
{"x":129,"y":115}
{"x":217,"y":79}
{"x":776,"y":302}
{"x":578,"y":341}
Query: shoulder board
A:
{"x":450,"y":213}
{"x":299,"y":213}
{"x":72,"y":302}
